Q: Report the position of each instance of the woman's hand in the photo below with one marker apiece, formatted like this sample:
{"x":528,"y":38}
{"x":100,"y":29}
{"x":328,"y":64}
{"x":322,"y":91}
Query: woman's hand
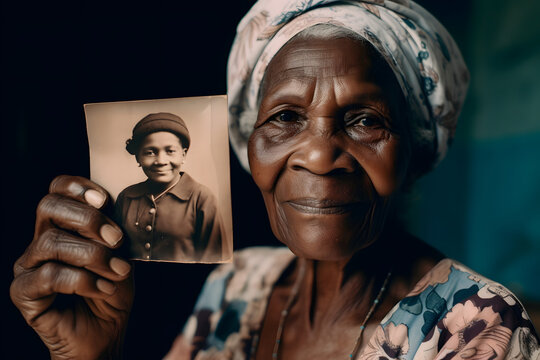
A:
{"x":68,"y":284}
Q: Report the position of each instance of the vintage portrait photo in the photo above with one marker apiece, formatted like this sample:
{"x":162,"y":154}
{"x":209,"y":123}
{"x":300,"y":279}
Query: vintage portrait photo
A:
{"x":166,"y":165}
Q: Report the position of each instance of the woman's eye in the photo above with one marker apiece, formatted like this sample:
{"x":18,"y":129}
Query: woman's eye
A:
{"x":365,"y":120}
{"x":369,"y":121}
{"x":148,"y":153}
{"x":171,"y":151}
{"x":286,"y":116}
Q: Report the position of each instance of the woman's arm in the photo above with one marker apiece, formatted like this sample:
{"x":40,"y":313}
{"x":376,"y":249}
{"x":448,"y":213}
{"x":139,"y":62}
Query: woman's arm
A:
{"x":69,"y":285}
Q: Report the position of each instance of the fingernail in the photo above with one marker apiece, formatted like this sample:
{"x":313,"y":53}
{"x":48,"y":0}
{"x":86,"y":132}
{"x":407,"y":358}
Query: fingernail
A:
{"x":105,"y":286}
{"x":94,"y":198}
{"x":119,"y":266}
{"x":110,"y":234}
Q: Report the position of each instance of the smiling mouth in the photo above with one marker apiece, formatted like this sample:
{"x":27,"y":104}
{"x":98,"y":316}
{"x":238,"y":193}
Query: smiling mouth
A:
{"x":161,"y":172}
{"x":323,"y":207}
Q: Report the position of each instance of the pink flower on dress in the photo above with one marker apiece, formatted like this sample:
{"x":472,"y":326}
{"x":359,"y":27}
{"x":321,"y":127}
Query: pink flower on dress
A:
{"x":390,"y":342}
{"x":476,"y":334}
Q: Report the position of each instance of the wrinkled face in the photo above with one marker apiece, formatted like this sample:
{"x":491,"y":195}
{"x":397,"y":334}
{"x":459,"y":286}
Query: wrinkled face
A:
{"x":329,"y":149}
{"x":161,"y":156}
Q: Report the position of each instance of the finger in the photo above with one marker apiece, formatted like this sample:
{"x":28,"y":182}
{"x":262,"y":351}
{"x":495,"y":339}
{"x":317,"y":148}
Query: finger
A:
{"x":60,"y":246}
{"x":81,"y":189}
{"x":34,"y":291}
{"x":75,"y":216}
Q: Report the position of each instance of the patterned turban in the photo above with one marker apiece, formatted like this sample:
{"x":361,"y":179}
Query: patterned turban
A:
{"x":423,"y":56}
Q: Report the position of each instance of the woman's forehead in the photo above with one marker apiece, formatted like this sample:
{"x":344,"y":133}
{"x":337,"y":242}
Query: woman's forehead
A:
{"x":306,"y":60}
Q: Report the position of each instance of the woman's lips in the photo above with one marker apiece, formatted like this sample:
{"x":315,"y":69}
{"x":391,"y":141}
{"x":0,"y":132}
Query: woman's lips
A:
{"x":323,"y":206}
{"x":161,"y":171}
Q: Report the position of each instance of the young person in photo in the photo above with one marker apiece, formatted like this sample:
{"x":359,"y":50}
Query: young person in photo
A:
{"x":170,"y":216}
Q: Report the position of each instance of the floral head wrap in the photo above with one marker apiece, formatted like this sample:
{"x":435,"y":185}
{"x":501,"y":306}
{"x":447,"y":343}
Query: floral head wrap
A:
{"x":423,"y":56}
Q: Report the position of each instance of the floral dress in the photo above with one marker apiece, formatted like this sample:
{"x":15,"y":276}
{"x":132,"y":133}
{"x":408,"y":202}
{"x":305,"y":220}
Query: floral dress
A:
{"x":452,"y":313}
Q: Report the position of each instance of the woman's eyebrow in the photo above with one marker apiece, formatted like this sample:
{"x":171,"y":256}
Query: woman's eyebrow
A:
{"x":374,"y":99}
{"x":289,"y":95}
{"x":365,"y":93}
{"x":292,"y":90}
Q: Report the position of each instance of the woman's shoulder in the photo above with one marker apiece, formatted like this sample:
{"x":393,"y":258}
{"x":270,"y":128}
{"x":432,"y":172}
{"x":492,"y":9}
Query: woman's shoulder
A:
{"x":454,"y":281}
{"x":196,"y":188}
{"x":454,"y":309}
{"x":447,"y":280}
{"x":134,"y":190}
{"x":449,"y":284}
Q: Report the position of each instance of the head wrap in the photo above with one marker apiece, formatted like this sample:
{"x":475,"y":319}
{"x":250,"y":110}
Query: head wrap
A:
{"x":423,"y":56}
{"x":152,"y":123}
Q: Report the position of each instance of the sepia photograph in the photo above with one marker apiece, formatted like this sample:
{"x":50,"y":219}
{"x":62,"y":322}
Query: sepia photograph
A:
{"x":165,"y":162}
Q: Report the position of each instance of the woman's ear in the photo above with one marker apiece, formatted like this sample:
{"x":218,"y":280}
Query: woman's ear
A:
{"x":184,"y":154}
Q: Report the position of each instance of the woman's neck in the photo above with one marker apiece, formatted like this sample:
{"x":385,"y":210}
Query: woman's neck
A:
{"x":335,"y":288}
{"x":156,"y":188}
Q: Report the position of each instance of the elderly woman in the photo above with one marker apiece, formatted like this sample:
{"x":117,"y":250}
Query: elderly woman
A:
{"x":169,"y":216}
{"x":337,"y":107}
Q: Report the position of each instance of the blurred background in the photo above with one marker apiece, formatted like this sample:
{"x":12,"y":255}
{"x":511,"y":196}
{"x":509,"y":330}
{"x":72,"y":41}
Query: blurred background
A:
{"x":481,"y":206}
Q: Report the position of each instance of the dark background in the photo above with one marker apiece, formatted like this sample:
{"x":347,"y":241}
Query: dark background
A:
{"x":57,"y":57}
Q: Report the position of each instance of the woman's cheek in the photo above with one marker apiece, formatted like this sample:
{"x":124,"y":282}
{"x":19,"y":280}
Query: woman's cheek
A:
{"x":385,"y":163}
{"x":266,"y":161}
{"x":267,"y":156}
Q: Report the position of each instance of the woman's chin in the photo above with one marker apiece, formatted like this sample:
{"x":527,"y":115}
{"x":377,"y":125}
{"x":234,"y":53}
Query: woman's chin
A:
{"x":325,"y":247}
{"x":322,"y":237}
{"x":314,"y":253}
{"x":162,"y":178}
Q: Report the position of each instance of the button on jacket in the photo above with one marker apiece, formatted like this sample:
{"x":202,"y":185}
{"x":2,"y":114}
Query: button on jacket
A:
{"x":182,"y":225}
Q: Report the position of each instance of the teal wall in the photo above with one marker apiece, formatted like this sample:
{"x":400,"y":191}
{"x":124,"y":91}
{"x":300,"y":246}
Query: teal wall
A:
{"x":482,"y":204}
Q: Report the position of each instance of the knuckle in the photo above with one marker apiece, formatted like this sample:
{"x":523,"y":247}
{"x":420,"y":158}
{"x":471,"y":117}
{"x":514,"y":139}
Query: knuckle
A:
{"x":57,"y":207}
{"x":47,"y":272}
{"x":14,"y":292}
{"x":47,"y":205}
{"x":86,"y":254}
{"x":60,"y":183}
{"x":45,"y":241}
{"x":21,"y":300}
{"x":70,"y":186}
{"x":18,"y":292}
{"x":58,"y":245}
{"x":53,"y":277}
{"x":54,"y":183}
{"x":18,"y":267}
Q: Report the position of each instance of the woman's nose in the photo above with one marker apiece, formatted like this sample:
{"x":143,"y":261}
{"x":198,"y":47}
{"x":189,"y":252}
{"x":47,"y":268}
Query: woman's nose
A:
{"x":322,"y":151}
{"x":160,"y":158}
